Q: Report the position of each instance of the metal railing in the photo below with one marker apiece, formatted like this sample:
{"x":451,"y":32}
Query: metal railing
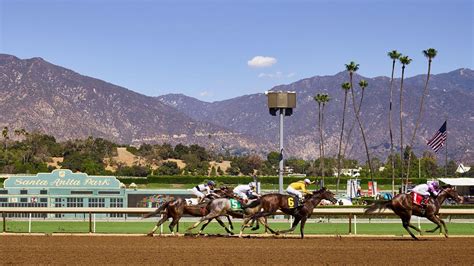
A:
{"x":351,"y":213}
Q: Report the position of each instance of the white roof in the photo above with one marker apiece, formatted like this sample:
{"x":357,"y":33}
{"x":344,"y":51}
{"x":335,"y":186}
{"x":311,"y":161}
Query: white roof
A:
{"x":461,"y":181}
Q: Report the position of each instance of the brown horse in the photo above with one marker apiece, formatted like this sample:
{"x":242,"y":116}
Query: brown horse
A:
{"x":271,"y":203}
{"x":403,"y":206}
{"x":175,"y":209}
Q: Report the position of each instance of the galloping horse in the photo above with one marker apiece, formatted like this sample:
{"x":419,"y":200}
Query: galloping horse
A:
{"x":403,"y":206}
{"x":175,"y":209}
{"x":223,"y":207}
{"x":271,"y":203}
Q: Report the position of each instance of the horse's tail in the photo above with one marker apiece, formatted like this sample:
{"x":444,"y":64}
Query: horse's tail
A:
{"x":158,"y":210}
{"x":378,"y":205}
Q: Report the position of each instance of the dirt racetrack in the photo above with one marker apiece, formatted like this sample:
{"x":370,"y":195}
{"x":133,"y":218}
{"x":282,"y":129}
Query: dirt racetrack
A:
{"x":98,"y":250}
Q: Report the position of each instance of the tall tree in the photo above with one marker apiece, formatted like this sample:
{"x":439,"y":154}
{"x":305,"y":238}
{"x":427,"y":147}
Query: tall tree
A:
{"x":6,"y":137}
{"x":346,"y":86}
{"x":322,"y":99}
{"x":394,"y":55}
{"x":351,"y":68}
{"x":404,"y":60}
{"x":430,"y":54}
{"x":362,"y":84}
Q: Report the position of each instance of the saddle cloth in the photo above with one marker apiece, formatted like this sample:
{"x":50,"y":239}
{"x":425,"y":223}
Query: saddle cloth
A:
{"x":293,"y":202}
{"x":417,"y":198}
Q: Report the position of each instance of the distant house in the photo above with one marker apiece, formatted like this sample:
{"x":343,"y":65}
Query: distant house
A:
{"x":352,"y":172}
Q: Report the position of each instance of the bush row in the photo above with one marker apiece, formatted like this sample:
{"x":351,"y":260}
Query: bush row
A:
{"x":247,"y":179}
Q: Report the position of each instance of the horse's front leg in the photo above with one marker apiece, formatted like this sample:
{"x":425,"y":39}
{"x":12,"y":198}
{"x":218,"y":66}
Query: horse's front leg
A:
{"x":293,"y":227}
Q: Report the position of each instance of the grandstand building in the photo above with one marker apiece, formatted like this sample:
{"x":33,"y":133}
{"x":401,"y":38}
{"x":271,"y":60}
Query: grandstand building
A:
{"x":63,"y":188}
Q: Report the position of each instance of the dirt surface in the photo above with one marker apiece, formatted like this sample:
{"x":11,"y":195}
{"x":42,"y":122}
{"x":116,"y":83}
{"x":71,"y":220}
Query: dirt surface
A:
{"x":98,"y":250}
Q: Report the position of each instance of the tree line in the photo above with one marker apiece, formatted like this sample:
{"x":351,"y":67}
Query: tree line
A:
{"x":31,"y":152}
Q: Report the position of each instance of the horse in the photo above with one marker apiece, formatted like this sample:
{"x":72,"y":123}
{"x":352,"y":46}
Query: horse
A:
{"x":271,"y":203}
{"x":403,"y":206}
{"x":175,"y":209}
{"x":223,"y":207}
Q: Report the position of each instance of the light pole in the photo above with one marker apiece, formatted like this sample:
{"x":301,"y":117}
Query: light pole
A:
{"x":283,"y":103}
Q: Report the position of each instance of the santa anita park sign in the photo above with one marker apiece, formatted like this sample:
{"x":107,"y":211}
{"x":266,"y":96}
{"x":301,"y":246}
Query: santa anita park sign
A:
{"x":62,"y":178}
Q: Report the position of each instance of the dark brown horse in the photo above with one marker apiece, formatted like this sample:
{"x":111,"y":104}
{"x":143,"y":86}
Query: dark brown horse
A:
{"x":403,"y":206}
{"x":271,"y":203}
{"x":175,"y":209}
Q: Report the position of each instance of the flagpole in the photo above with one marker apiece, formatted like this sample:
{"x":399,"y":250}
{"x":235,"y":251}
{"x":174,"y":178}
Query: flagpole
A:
{"x":446,"y":158}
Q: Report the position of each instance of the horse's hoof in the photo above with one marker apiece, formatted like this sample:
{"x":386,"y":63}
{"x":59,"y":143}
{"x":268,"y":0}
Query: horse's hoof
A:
{"x":149,"y":234}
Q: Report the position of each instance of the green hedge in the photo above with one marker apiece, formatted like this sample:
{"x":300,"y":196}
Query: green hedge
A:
{"x":247,"y":179}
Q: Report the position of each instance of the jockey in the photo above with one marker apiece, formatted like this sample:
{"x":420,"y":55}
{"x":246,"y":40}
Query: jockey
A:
{"x":426,"y":190}
{"x":243,"y":191}
{"x":298,"y":188}
{"x":202,"y":190}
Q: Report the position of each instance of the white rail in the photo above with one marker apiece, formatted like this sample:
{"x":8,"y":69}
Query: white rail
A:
{"x":350,"y":212}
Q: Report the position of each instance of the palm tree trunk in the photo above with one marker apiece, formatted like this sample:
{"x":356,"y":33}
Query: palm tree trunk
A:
{"x":340,"y":143}
{"x":362,"y":132}
{"x":322,"y":138}
{"x":352,"y":126}
{"x":418,"y":119}
{"x":320,"y":142}
{"x":401,"y":126}
{"x":390,"y":129}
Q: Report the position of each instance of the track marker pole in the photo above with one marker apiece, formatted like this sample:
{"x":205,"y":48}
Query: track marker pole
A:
{"x":355,"y":224}
{"x":29,"y":223}
{"x":161,"y":226}
{"x":93,"y":228}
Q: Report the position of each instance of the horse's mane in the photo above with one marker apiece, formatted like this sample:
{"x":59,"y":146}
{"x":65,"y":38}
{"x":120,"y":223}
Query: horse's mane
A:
{"x":319,"y":191}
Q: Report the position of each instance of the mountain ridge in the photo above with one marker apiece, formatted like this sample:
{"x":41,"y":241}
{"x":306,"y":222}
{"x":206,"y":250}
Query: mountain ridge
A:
{"x":38,"y":95}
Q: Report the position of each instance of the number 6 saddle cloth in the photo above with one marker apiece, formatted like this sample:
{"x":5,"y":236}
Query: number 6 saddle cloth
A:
{"x":292,"y":202}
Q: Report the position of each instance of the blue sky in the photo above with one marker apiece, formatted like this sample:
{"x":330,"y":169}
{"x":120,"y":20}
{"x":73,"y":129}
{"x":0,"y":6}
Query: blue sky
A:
{"x":204,"y":49}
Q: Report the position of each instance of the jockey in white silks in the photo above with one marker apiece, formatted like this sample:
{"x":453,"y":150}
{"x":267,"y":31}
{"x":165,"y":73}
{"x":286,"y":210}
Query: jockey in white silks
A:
{"x":202,"y":190}
{"x":244,"y":190}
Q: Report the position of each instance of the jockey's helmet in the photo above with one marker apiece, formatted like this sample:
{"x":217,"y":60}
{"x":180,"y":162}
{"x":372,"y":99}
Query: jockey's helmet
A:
{"x":252,"y":184}
{"x":307,"y":181}
{"x":211,"y":183}
{"x":434,"y":184}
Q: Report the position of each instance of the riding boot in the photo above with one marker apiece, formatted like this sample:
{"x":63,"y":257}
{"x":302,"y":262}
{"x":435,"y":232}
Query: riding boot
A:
{"x":423,"y":205}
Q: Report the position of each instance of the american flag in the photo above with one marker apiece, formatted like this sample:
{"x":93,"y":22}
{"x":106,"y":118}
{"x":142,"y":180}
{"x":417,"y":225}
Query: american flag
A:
{"x":438,"y":140}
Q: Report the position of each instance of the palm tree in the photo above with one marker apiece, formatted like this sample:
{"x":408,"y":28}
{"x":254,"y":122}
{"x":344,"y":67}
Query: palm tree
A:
{"x":5,"y":137}
{"x":362,"y":84}
{"x":430,"y":54}
{"x":394,"y":55}
{"x":351,"y":68}
{"x":346,"y":87}
{"x":322,"y":99}
{"x":404,"y":60}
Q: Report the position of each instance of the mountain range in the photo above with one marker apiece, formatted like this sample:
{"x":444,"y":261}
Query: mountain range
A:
{"x":38,"y":95}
